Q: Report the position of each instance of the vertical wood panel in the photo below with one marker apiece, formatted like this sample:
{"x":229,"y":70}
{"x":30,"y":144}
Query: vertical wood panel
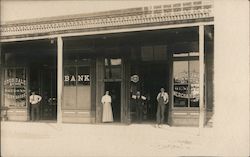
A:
{"x":93,"y":89}
{"x":1,"y":75}
{"x":99,"y":88}
{"x":171,"y":87}
{"x":27,"y":72}
{"x":127,"y":90}
{"x":125,"y":87}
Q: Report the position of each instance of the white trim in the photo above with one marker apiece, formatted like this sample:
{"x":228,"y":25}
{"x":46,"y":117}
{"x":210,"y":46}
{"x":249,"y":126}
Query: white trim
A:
{"x":59,"y":79}
{"x":110,"y":31}
{"x":180,"y":113}
{"x":201,"y":62}
{"x":194,"y":114}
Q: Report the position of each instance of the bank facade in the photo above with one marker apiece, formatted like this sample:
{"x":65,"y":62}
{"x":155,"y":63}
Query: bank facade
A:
{"x":71,"y":60}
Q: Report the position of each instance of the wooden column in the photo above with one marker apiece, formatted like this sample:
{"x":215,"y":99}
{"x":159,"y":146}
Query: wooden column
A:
{"x":99,"y":87}
{"x":59,"y":78}
{"x":1,"y":75}
{"x":201,"y":63}
{"x":125,"y":90}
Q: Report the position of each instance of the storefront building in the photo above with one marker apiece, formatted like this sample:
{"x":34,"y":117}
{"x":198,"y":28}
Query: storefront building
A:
{"x":71,"y":60}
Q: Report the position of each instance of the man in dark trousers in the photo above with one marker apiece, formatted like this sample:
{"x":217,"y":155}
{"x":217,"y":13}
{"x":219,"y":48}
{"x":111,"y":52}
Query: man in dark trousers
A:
{"x":35,"y":101}
{"x":162,"y":99}
{"x":139,"y":102}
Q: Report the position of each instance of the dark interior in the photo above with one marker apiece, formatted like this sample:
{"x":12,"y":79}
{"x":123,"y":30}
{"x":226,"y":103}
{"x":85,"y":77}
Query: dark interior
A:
{"x":114,"y":89}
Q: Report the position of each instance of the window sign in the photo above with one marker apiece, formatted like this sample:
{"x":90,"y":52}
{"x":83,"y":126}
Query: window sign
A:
{"x":15,"y":88}
{"x":181,"y":91}
{"x":186,"y":84}
{"x":77,"y":87}
{"x":81,"y":79}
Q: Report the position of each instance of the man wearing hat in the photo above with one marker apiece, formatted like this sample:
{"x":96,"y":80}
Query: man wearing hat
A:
{"x":162,"y":99}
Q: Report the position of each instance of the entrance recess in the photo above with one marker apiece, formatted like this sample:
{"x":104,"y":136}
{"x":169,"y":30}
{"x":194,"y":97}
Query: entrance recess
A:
{"x":152,"y":77}
{"x":112,"y":83}
{"x":43,"y":81}
{"x":115,"y":92}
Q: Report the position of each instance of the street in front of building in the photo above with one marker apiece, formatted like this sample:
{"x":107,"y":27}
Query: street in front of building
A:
{"x":52,"y":139}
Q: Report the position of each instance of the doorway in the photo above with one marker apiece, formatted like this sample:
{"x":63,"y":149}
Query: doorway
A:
{"x":114,"y":89}
{"x":152,"y":77}
{"x":43,"y":81}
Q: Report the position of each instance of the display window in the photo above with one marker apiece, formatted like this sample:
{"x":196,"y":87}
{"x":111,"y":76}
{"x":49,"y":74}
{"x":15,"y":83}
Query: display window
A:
{"x":186,"y":83}
{"x":77,"y":90}
{"x":15,"y":87}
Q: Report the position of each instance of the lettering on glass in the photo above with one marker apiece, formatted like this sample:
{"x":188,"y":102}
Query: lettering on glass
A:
{"x":80,"y":79}
{"x":15,"y":92}
{"x":181,"y":85}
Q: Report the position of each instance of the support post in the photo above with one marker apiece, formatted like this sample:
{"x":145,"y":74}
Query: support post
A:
{"x":201,"y":64}
{"x":59,"y":78}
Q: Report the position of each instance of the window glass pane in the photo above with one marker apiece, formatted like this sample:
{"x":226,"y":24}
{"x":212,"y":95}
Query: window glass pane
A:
{"x":77,"y":87}
{"x":83,"y":88}
{"x":185,"y":49}
{"x":83,"y":77}
{"x":181,"y":84}
{"x":70,"y":76}
{"x":83,"y":97}
{"x":20,"y":88}
{"x":69,"y":93}
{"x":115,"y":61}
{"x":15,"y":88}
{"x":113,"y":68}
{"x":194,"y":83}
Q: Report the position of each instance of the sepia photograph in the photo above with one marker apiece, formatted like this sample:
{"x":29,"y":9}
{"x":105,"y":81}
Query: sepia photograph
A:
{"x":132,"y":78}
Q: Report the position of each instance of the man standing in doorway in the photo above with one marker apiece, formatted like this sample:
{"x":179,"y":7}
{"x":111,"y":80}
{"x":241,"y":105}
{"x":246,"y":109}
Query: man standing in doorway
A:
{"x":34,"y":102}
{"x":139,"y":102}
{"x":162,"y":99}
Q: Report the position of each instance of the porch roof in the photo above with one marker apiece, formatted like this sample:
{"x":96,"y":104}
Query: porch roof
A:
{"x":140,"y":17}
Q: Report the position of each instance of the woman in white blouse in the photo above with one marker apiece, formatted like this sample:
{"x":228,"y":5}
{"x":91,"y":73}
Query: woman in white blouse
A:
{"x":107,"y":114}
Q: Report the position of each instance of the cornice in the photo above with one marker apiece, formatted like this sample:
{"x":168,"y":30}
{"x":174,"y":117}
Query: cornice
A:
{"x":170,"y":14}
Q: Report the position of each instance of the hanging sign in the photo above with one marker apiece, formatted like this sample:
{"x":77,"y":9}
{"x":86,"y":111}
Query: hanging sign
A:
{"x":135,"y":78}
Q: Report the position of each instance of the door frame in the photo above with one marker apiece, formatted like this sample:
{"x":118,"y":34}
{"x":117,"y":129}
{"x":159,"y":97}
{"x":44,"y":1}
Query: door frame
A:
{"x":120,"y":82}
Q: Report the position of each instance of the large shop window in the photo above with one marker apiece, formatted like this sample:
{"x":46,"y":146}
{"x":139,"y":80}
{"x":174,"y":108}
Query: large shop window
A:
{"x":186,"y":83}
{"x":77,"y":87}
{"x":15,"y":88}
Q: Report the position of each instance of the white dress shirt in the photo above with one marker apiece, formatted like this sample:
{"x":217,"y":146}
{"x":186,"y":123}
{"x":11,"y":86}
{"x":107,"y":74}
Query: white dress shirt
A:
{"x":164,"y":95}
{"x":34,"y":99}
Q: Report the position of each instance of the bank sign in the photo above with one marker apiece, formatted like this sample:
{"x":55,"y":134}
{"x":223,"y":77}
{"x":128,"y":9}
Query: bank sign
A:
{"x":81,"y":79}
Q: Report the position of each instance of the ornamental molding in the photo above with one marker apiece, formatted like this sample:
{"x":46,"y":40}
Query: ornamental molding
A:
{"x":170,"y":14}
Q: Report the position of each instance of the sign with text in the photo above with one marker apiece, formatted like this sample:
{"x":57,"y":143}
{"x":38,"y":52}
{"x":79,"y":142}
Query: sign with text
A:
{"x":15,"y":92}
{"x":81,"y":79}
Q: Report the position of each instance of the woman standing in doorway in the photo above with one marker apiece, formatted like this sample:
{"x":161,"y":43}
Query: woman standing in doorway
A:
{"x":107,"y":114}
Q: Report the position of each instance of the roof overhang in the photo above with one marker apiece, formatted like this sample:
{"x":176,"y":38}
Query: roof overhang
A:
{"x":135,"y":19}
